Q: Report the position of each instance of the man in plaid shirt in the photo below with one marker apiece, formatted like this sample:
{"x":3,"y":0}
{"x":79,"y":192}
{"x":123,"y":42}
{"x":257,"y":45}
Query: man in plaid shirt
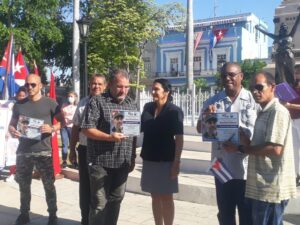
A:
{"x":111,"y":156}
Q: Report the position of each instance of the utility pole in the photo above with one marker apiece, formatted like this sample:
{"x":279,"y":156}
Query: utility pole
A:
{"x":75,"y":49}
{"x":190,"y":56}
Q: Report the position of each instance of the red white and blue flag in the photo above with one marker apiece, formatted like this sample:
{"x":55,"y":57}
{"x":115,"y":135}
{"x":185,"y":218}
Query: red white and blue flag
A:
{"x":198,"y":36}
{"x":9,"y":91}
{"x":4,"y":62}
{"x":215,"y":37}
{"x":220,"y":171}
{"x":12,"y":75}
{"x":21,"y":70}
{"x":5,"y":68}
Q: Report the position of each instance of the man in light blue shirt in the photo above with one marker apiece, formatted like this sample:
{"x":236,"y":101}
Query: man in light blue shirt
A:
{"x":234,"y":98}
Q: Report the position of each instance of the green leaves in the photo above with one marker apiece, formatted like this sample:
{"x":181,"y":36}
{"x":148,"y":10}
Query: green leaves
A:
{"x":121,"y":29}
{"x":38,"y":28}
{"x":249,"y":68}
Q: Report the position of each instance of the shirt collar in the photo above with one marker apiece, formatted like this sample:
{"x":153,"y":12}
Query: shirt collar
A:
{"x":243,"y":95}
{"x":270,"y":104}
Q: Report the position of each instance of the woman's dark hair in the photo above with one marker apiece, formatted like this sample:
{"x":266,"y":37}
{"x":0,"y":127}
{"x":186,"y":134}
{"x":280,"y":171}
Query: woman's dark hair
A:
{"x":166,"y":86}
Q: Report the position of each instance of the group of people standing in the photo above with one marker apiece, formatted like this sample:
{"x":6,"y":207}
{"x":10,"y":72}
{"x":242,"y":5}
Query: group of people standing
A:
{"x":262,"y":165}
{"x":262,"y":183}
{"x":105,"y":159}
{"x":111,"y":156}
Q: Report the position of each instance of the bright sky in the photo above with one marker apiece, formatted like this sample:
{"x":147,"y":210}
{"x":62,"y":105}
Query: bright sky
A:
{"x":263,"y":9}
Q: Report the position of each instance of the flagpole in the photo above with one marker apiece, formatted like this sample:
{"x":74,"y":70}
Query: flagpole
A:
{"x":75,"y":49}
{"x":190,"y":58}
{"x":8,"y":65}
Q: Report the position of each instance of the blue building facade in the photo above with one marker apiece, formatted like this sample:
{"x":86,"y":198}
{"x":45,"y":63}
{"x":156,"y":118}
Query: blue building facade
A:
{"x":240,"y":41}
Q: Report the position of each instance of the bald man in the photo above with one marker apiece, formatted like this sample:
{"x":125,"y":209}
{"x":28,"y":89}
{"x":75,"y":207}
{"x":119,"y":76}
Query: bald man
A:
{"x":35,"y":151}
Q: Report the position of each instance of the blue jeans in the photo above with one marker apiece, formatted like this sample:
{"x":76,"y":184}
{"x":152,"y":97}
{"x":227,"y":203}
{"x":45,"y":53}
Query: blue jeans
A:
{"x":65,"y":139}
{"x":230,"y":196}
{"x":107,"y":186}
{"x":266,"y":213}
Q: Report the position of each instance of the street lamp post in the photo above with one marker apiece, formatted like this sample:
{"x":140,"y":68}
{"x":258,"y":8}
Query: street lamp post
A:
{"x":84,"y":25}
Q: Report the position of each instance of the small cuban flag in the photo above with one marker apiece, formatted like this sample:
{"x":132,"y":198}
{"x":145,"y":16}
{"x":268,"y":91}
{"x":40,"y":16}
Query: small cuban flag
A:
{"x":220,"y":171}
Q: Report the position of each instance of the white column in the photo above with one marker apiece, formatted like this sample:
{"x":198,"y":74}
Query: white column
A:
{"x":75,"y":49}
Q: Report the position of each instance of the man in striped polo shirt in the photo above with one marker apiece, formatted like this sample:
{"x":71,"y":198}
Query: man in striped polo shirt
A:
{"x":271,"y":175}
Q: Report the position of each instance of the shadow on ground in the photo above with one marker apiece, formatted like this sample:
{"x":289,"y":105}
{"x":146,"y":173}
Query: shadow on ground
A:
{"x":9,"y":215}
{"x":292,"y":218}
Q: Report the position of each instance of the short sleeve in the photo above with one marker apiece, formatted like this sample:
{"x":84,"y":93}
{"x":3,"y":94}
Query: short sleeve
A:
{"x":55,"y":108}
{"x":15,"y":112}
{"x":178,"y":121}
{"x":278,"y":127}
{"x":92,"y":113}
{"x":76,"y":117}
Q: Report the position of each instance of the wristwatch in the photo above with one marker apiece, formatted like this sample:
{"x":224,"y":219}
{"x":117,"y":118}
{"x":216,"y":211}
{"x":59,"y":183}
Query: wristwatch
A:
{"x":241,"y":148}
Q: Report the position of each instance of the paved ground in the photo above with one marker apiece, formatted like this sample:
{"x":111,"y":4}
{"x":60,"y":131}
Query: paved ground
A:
{"x":136,"y":209}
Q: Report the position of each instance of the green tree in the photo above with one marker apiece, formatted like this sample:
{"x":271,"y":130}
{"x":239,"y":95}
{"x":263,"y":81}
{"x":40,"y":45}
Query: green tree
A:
{"x":201,"y":84}
{"x":39,"y":27}
{"x":249,"y":68}
{"x":122,"y":28}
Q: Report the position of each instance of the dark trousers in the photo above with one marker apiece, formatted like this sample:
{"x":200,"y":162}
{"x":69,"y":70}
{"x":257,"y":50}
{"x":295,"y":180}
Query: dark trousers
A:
{"x":84,"y":184}
{"x":23,"y":176}
{"x":107,"y":192}
{"x":266,"y":213}
{"x":229,"y":196}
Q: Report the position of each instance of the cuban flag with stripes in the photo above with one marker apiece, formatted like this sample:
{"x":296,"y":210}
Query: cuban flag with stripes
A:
{"x":3,"y":65}
{"x":20,"y":71}
{"x":220,"y":171}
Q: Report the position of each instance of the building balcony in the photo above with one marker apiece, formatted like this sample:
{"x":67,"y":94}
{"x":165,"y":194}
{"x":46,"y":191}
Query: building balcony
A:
{"x":197,"y":73}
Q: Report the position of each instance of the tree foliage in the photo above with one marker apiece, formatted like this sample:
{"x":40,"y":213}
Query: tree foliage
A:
{"x":201,"y":83}
{"x":121,"y":29}
{"x":39,"y":29}
{"x":249,"y":68}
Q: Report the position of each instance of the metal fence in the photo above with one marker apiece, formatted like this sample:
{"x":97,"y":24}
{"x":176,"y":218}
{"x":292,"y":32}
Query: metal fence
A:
{"x":184,"y":101}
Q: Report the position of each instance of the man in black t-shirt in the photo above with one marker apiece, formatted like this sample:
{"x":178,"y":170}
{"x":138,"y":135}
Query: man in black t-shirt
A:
{"x":35,"y":151}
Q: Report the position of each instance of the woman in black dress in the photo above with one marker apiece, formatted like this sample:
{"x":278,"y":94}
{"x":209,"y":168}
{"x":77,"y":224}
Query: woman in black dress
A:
{"x":162,"y":125}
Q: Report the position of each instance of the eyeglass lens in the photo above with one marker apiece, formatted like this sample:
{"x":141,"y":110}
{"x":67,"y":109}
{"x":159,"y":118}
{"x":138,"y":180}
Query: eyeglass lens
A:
{"x":33,"y":85}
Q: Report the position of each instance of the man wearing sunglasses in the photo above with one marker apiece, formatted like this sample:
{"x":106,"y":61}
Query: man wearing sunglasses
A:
{"x":271,"y":176}
{"x":35,"y":152}
{"x":234,"y":98}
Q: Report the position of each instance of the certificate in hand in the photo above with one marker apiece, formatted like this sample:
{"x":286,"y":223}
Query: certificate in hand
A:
{"x":220,"y":127}
{"x":30,"y":127}
{"x":125,"y":121}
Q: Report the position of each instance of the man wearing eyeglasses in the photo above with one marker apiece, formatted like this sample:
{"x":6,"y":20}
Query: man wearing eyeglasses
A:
{"x":271,"y":175}
{"x":234,"y":98}
{"x":35,"y":151}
